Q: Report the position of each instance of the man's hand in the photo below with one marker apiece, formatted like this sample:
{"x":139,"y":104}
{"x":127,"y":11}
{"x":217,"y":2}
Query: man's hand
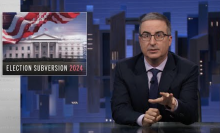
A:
{"x":166,"y":99}
{"x":151,"y":116}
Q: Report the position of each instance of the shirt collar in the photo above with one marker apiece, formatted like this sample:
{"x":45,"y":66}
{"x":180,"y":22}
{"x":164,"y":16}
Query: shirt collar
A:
{"x":160,"y":67}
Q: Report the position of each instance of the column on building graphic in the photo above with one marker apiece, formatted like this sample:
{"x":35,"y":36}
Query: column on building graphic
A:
{"x":204,"y":81}
{"x":80,"y":110}
{"x":129,"y":48}
{"x":61,"y":83}
{"x":44,"y":50}
{"x":93,"y":63}
{"x":105,"y":92}
{"x":43,"y":106}
{"x":136,"y":44}
{"x":192,"y":28}
{"x":52,"y":46}
{"x":117,"y":42}
{"x":58,"y":93}
{"x":71,"y":95}
{"x":36,"y":50}
{"x":56,"y":104}
{"x":135,"y":34}
{"x":117,"y":48}
{"x":214,"y":41}
{"x":198,"y":53}
{"x":198,"y":40}
{"x":181,"y":47}
{"x":39,"y":50}
{"x":44,"y":97}
{"x":215,"y":88}
{"x":71,"y":90}
{"x":218,"y":57}
{"x":30,"y":98}
{"x":168,"y":15}
{"x":23,"y":86}
{"x":214,"y":48}
{"x":42,"y":90}
{"x":203,"y":17}
{"x":29,"y":101}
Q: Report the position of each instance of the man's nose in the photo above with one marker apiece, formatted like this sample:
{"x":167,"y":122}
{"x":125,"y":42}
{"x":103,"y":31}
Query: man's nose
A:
{"x":152,"y":40}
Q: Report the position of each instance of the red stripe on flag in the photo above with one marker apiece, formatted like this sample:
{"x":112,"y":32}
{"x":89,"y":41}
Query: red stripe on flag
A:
{"x":58,"y":18}
{"x":31,"y":15}
{"x":69,"y":14}
{"x":9,"y":39}
{"x":39,"y":19}
{"x":40,"y":23}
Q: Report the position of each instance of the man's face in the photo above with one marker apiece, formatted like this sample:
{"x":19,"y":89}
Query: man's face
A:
{"x":152,"y":49}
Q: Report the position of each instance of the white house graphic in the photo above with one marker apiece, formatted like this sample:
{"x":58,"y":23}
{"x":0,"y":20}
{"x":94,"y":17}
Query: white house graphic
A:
{"x":46,"y":46}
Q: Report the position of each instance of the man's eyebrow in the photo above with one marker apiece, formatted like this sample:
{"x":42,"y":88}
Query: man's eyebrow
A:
{"x":145,"y":32}
{"x":159,"y":31}
{"x":150,"y":33}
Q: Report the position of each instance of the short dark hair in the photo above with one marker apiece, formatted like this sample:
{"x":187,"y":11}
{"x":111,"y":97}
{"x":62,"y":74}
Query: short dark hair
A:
{"x":155,"y":16}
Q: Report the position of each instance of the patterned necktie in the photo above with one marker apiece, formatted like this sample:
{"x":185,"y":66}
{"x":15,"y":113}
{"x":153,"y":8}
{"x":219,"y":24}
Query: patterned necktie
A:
{"x":153,"y":86}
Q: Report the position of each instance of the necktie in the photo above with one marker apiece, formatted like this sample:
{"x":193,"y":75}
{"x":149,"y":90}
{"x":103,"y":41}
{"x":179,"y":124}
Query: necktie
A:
{"x":153,"y":86}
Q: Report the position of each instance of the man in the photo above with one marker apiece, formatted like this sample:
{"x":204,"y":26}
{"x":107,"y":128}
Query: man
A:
{"x":156,"y":85}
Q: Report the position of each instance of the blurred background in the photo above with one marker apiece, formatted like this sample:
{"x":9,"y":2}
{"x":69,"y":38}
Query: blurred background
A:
{"x":112,"y":34}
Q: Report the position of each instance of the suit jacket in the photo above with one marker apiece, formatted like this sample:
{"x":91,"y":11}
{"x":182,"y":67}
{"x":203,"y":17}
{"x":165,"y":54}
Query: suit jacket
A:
{"x":130,"y":94}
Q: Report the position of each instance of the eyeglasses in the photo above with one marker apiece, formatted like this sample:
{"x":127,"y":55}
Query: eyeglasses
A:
{"x":158,"y":36}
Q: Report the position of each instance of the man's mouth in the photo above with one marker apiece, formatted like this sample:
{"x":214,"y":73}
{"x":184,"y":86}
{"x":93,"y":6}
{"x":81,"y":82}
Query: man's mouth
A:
{"x":153,"y":50}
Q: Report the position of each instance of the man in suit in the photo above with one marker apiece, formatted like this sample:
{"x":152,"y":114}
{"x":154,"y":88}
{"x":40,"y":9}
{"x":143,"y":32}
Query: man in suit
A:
{"x":156,"y":85}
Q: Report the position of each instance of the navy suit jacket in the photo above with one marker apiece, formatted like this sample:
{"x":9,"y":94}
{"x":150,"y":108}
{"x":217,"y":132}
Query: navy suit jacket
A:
{"x":130,"y":94}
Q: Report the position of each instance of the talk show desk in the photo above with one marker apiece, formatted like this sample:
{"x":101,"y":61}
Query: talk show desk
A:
{"x":161,"y":127}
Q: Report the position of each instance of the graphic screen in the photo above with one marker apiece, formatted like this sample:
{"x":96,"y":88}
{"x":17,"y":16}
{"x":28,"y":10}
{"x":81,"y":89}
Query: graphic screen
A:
{"x":44,"y":43}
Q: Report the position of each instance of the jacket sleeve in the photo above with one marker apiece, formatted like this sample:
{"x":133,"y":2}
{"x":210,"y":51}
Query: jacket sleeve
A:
{"x":122,"y":110}
{"x":187,"y":111}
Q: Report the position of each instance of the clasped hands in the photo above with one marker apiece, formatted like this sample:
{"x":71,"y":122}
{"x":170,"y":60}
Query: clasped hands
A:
{"x":152,"y":115}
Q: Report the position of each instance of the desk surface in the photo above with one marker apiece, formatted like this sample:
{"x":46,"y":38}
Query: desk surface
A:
{"x":115,"y":128}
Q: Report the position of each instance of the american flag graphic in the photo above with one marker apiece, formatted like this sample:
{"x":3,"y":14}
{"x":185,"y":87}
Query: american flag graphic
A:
{"x":26,"y":24}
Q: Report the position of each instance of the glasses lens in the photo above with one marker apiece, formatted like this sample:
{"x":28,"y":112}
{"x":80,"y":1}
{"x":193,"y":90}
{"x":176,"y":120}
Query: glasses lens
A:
{"x":159,"y":36}
{"x":146,"y":36}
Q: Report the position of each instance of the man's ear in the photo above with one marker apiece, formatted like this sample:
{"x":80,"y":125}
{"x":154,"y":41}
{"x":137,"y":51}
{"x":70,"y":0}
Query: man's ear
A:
{"x":170,"y":40}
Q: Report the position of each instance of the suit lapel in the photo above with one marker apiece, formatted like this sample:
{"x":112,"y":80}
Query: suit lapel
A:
{"x":141,"y":83}
{"x":168,"y":74}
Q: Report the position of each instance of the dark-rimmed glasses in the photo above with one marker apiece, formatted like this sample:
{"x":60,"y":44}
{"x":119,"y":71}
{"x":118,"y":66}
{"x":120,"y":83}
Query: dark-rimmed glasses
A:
{"x":158,"y":36}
